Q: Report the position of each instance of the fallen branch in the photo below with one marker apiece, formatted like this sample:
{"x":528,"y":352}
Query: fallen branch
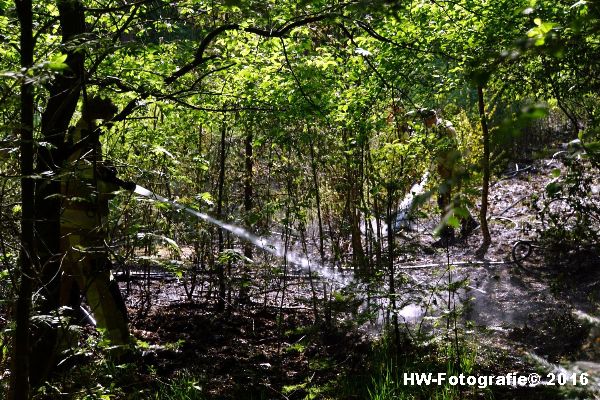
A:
{"x":455,"y":263}
{"x":512,"y":205}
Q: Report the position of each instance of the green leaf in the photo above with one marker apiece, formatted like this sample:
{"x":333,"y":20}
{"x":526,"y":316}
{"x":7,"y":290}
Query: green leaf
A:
{"x":592,"y":147}
{"x":205,"y":197}
{"x":461,"y":212}
{"x":233,"y":255}
{"x":453,"y":221}
{"x":553,"y":188}
{"x":57,"y":63}
{"x":142,"y":344}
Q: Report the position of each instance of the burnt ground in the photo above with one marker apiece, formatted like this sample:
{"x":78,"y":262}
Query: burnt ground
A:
{"x":264,"y":348}
{"x":523,"y":319}
{"x":247,"y":353}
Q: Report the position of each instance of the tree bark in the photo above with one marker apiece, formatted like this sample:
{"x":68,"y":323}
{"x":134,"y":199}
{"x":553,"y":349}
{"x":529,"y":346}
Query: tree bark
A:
{"x":19,"y":384}
{"x":64,"y":94}
{"x":487,"y":240}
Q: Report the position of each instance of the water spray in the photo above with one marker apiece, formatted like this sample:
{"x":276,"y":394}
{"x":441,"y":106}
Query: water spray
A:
{"x":407,"y":204}
{"x":258,"y":241}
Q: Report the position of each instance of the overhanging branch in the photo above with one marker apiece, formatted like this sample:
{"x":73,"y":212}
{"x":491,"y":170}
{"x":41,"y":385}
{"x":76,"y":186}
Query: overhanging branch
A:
{"x":199,"y":58}
{"x":375,"y":35}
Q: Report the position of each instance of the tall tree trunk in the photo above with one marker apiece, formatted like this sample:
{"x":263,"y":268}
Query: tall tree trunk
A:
{"x":313,"y":165}
{"x":248,"y":204}
{"x":358,"y":254}
{"x":248,"y":192}
{"x":487,"y":240}
{"x":64,"y":94}
{"x":199,"y":240}
{"x":358,"y":182}
{"x":351,"y":211}
{"x":391,"y":268}
{"x":19,"y":384}
{"x":371,"y":238}
{"x":376,"y":230}
{"x":221,"y":244}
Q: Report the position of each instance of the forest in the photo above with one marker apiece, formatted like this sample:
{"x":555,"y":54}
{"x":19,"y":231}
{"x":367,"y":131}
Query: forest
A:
{"x":346,"y":199}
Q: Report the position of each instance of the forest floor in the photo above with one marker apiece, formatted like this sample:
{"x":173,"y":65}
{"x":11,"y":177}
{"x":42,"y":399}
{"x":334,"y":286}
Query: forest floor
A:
{"x":521,"y":320}
{"x":545,"y":315}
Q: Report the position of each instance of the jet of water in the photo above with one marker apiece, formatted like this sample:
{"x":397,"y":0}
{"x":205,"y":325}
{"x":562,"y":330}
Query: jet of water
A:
{"x":407,"y":204}
{"x":404,"y":209}
{"x":261,"y":242}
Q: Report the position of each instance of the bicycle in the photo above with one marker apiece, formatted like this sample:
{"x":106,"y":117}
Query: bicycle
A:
{"x":522,"y":249}
{"x":555,"y":211}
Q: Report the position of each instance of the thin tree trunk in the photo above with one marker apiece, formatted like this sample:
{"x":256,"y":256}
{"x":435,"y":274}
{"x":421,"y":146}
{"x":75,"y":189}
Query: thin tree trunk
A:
{"x":487,"y":240}
{"x":351,"y":211}
{"x":311,"y":279}
{"x":379,"y":233}
{"x":248,"y":190}
{"x":313,"y":165}
{"x":358,"y":255}
{"x":378,"y":236}
{"x":391,"y":269}
{"x":221,"y":244}
{"x":358,"y":202}
{"x":19,"y":384}
{"x":248,"y":204}
{"x":371,"y":242}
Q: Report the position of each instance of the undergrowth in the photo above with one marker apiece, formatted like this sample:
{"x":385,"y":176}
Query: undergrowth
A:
{"x":387,"y":365}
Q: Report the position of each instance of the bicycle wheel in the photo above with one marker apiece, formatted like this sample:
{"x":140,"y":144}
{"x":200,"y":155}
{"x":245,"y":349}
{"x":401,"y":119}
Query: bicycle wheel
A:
{"x":521,"y":250}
